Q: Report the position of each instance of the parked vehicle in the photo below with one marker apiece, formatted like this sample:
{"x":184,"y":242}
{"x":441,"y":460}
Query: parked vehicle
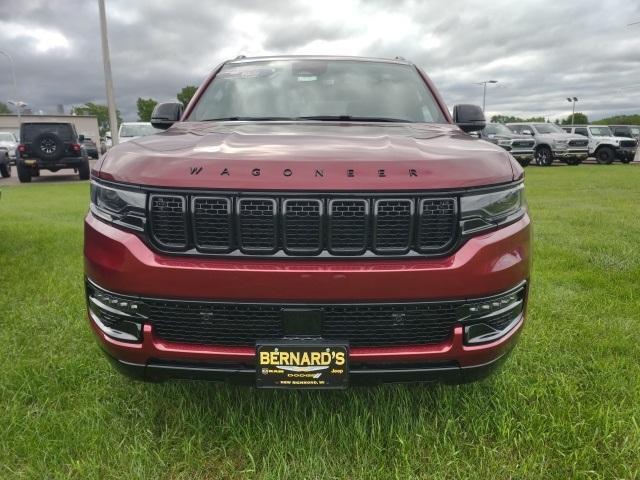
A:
{"x":133,"y":130}
{"x":553,"y":143}
{"x":520,"y":146}
{"x":629,"y":131}
{"x":50,"y":146}
{"x":603,"y":145}
{"x":9,"y":142}
{"x":90,"y":147}
{"x":5,"y":163}
{"x":309,"y":222}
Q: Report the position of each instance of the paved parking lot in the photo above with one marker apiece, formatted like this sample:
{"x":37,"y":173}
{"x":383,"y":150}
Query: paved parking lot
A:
{"x":46,"y":176}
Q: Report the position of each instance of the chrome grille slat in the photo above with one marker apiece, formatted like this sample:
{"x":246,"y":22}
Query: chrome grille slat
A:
{"x":304,"y":225}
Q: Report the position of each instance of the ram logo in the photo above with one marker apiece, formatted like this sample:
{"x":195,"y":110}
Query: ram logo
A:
{"x":195,"y":170}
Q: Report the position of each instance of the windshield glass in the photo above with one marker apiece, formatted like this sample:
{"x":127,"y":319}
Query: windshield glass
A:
{"x":548,"y":128}
{"x":600,"y":131}
{"x":6,"y":137}
{"x":497,"y":129}
{"x":324,"y":89}
{"x":137,"y":130}
{"x":635,"y":130}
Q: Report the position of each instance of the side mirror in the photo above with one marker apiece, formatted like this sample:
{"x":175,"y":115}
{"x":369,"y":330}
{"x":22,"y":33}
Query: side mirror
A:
{"x":470,"y":118}
{"x":81,"y":138}
{"x":166,"y":114}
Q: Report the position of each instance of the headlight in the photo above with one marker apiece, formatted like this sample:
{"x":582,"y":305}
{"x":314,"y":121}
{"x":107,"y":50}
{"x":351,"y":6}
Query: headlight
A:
{"x":561,"y":142}
{"x":489,"y":210}
{"x":504,"y":143}
{"x":119,"y":206}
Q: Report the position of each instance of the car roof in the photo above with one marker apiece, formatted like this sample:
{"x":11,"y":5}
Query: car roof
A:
{"x":242,"y":59}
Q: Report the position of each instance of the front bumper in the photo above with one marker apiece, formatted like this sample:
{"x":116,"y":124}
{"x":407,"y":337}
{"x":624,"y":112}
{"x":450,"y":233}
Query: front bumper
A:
{"x":571,"y":153}
{"x":522,"y":155}
{"x":626,"y":153}
{"x":491,"y":263}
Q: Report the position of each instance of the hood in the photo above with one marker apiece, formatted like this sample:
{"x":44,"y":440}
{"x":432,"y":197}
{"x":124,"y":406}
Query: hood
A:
{"x":309,"y":156}
{"x":561,"y":136}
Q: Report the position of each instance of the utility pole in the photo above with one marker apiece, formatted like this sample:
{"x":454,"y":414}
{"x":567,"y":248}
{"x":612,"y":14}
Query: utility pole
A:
{"x":573,"y":101}
{"x":111,"y":104}
{"x":15,"y":85}
{"x":484,"y":92}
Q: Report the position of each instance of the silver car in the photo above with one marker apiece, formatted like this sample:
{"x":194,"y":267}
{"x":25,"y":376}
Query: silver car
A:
{"x":9,"y":142}
{"x":554,"y":143}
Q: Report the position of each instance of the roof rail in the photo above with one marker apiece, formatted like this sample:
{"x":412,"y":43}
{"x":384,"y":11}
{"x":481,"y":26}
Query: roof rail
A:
{"x":398,"y":57}
{"x":240,"y":57}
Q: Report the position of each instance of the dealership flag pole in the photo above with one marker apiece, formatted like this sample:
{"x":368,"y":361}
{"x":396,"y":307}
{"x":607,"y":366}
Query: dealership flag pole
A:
{"x":113,"y":119}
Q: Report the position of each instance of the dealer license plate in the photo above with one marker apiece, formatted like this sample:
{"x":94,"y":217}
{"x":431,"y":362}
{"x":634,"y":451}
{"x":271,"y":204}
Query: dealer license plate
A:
{"x":302,"y":364}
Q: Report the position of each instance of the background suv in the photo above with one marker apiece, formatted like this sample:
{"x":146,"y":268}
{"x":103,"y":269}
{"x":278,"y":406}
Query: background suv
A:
{"x":603,"y":145}
{"x":309,"y":222}
{"x":553,"y":143}
{"x":629,"y":131}
{"x":50,"y":146}
{"x":520,"y":146}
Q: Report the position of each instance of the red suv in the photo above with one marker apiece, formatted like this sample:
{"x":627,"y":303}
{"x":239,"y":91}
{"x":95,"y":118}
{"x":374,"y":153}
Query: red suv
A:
{"x":309,"y":222}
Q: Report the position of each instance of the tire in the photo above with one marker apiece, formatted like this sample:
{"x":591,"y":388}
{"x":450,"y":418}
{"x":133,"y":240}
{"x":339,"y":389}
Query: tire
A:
{"x":83,"y":170}
{"x":48,"y":146}
{"x":544,"y":156}
{"x":573,"y":161}
{"x":605,"y":155}
{"x":24,"y":173}
{"x":5,"y":170}
{"x":626,"y":160}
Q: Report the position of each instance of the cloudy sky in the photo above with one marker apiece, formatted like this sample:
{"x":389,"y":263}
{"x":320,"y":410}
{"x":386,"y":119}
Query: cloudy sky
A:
{"x":539,"y":51}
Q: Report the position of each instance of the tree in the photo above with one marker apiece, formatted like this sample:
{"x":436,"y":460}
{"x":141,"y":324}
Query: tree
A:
{"x":4,"y":108}
{"x":186,"y":94}
{"x":101,"y":112}
{"x":512,"y":119}
{"x":145,"y":108}
{"x":620,"y":120}
{"x":578,"y":118}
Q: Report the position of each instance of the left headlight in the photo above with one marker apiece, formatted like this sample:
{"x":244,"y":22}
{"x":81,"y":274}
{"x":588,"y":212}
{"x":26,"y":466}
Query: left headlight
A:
{"x":504,"y":143}
{"x":492,"y":209}
{"x":119,"y":206}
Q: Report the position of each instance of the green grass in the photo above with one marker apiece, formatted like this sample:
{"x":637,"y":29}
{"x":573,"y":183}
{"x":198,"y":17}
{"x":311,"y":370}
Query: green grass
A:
{"x":566,"y":404}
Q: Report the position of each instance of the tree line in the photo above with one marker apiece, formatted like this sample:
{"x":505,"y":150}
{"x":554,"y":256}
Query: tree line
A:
{"x":579,"y":118}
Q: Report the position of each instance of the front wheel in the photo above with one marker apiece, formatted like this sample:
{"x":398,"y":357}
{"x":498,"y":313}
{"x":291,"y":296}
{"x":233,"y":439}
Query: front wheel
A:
{"x":626,"y":159}
{"x":544,"y":156}
{"x":605,"y":155}
{"x":5,"y":170}
{"x":24,"y":173}
{"x":83,"y":170}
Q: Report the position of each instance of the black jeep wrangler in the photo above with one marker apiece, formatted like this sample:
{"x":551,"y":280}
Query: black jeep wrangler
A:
{"x":50,"y":146}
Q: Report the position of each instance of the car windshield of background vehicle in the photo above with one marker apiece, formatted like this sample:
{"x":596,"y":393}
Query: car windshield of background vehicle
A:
{"x":6,"y":137}
{"x":137,"y":130}
{"x":318,"y":90}
{"x":600,"y":131}
{"x":635,"y":131}
{"x":543,"y":128}
{"x":497,"y":129}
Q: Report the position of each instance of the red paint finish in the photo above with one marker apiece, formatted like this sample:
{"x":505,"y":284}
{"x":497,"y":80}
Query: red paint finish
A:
{"x":309,"y":156}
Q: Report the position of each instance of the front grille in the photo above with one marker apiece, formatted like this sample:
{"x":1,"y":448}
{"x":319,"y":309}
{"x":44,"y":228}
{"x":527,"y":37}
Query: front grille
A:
{"x":578,"y":143}
{"x":238,"y":324}
{"x":522,"y":144}
{"x":304,"y":225}
{"x":627,"y":143}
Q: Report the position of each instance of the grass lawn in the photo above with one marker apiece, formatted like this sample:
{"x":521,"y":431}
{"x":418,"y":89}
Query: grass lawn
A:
{"x":565,"y":405}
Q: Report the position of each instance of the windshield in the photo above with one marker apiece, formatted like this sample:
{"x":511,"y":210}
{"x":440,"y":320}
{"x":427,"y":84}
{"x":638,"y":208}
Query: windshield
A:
{"x":497,"y":129}
{"x":635,"y":131}
{"x":137,"y":130}
{"x":600,"y":131}
{"x":318,"y":90}
{"x":6,"y":137}
{"x":548,"y":128}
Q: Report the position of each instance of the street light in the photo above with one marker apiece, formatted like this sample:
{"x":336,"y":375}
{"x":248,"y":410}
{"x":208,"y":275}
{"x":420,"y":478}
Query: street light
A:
{"x":484,"y":92}
{"x":573,"y":101}
{"x":108,"y":80}
{"x":15,"y":83}
{"x":18,"y":104}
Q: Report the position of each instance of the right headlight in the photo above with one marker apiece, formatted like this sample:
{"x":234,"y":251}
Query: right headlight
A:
{"x":492,"y":209}
{"x":125,"y":208}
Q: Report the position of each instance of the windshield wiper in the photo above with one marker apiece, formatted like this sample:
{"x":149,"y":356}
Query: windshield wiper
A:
{"x":351,"y":118}
{"x":245,"y":119}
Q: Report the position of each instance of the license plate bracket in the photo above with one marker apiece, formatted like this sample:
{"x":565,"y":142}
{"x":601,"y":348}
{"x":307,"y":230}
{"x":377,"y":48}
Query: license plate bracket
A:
{"x":302,"y":364}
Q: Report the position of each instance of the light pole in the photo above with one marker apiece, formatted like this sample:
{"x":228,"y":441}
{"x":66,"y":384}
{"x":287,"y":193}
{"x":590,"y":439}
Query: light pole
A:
{"x":113,"y":119}
{"x":484,"y":91}
{"x":573,"y":101}
{"x":15,"y":83}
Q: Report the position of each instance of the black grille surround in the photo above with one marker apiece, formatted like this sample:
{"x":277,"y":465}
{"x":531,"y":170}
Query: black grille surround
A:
{"x":303,"y":224}
{"x":578,"y":143}
{"x":628,"y":143}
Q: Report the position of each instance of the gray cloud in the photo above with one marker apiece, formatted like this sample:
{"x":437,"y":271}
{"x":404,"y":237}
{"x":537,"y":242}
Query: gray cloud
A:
{"x":541,"y":52}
